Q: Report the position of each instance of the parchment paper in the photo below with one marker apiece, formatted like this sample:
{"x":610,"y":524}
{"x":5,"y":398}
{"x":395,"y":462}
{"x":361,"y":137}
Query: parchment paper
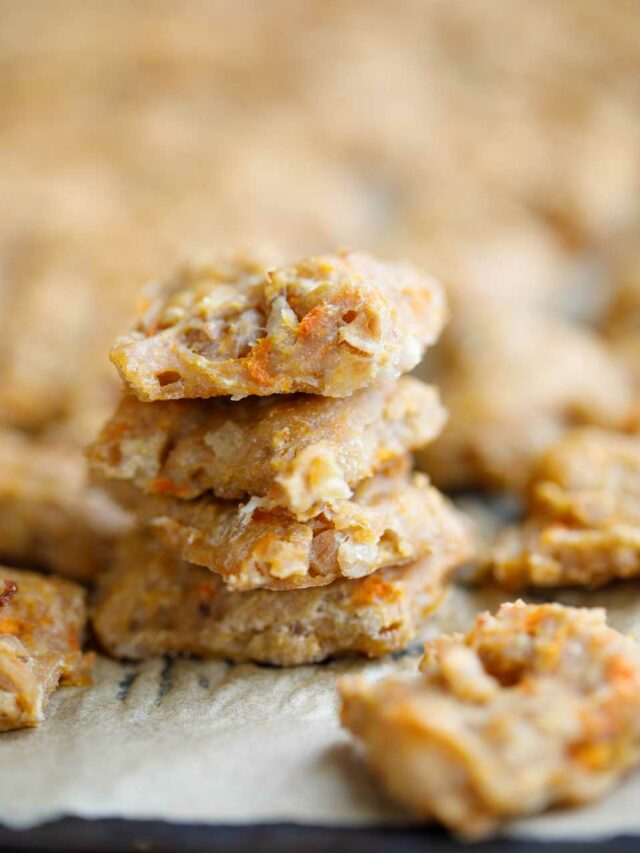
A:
{"x":208,"y":742}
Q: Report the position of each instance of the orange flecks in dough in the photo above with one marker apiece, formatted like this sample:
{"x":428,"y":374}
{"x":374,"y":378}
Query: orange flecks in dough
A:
{"x":142,"y":306}
{"x":621,"y":671}
{"x":257,"y":362}
{"x":207,"y":591}
{"x":117,"y":429}
{"x":312,"y":322}
{"x":73,"y":639}
{"x":375,"y":588}
{"x":592,"y":755}
{"x":165,"y":486}
{"x":13,"y":626}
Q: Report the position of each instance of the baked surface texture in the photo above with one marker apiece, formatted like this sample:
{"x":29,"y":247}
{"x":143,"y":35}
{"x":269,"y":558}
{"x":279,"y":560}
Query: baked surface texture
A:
{"x":298,"y":452}
{"x":584,"y":522}
{"x":513,"y":382}
{"x":151,"y":603}
{"x":536,"y":707}
{"x":393,"y":518}
{"x":329,"y":325}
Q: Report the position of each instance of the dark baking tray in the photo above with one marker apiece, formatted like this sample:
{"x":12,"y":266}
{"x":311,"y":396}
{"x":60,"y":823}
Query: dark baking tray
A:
{"x":117,"y":836}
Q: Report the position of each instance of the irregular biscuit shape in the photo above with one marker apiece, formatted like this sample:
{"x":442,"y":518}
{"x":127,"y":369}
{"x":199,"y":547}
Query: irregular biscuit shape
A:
{"x":49,"y":515}
{"x":298,"y":452}
{"x":622,"y":324}
{"x":391,"y":519}
{"x":513,"y":383}
{"x":585,"y":524}
{"x":534,"y":708}
{"x":329,"y":325}
{"x":151,"y":603}
{"x":551,"y":555}
{"x":42,"y":622}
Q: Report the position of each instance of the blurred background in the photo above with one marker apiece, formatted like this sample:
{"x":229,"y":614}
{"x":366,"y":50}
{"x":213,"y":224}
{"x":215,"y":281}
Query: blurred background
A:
{"x":494,"y":142}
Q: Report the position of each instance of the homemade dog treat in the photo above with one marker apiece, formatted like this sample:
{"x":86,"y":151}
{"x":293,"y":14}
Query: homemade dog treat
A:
{"x":513,"y":382}
{"x":392,"y":519}
{"x":584,"y":527}
{"x":50,"y":516}
{"x":42,"y":623}
{"x":591,"y":477}
{"x":622,"y":325}
{"x":329,"y":325}
{"x":301,"y":508}
{"x":553,"y":554}
{"x":534,"y":708}
{"x":297,"y":452}
{"x":151,"y":603}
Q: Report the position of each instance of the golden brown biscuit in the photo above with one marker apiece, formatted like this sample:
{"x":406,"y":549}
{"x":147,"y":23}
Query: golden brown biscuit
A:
{"x":590,"y":478}
{"x":534,"y":708}
{"x":549,"y":554}
{"x":329,"y":325}
{"x":60,"y":312}
{"x":42,"y":623}
{"x":392,"y":519}
{"x":622,"y":324}
{"x":297,"y":452}
{"x":151,"y":603}
{"x":584,"y":527}
{"x":513,"y":383}
{"x":49,"y":515}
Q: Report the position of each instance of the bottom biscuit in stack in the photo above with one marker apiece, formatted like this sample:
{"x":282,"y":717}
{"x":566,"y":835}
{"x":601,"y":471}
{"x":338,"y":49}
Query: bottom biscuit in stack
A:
{"x":152,"y":603}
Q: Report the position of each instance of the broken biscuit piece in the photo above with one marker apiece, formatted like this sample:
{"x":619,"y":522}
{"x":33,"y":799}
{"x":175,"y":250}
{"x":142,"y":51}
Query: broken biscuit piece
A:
{"x":152,"y":603}
{"x":297,"y":452}
{"x":42,"y":623}
{"x":534,"y":708}
{"x":50,"y":517}
{"x":584,"y":527}
{"x":393,"y":518}
{"x":329,"y":325}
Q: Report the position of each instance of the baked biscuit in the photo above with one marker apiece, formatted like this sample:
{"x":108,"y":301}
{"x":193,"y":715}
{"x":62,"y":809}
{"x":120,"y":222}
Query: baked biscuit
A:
{"x":622,"y":325}
{"x":151,"y":603}
{"x":534,"y":708}
{"x":42,"y":623}
{"x":392,"y":519}
{"x":584,"y":528}
{"x":590,"y":478}
{"x":329,"y":325}
{"x":50,"y":516}
{"x":550,"y":554}
{"x":59,"y":302}
{"x":513,"y":383}
{"x":297,"y":452}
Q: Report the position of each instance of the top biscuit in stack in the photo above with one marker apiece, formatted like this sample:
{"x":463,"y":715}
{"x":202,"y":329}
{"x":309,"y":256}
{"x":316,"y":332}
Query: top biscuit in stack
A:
{"x":326,"y":484}
{"x":330,"y":325}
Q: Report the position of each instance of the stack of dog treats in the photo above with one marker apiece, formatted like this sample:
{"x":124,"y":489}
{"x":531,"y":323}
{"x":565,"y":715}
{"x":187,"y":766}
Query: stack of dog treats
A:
{"x":264,"y":445}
